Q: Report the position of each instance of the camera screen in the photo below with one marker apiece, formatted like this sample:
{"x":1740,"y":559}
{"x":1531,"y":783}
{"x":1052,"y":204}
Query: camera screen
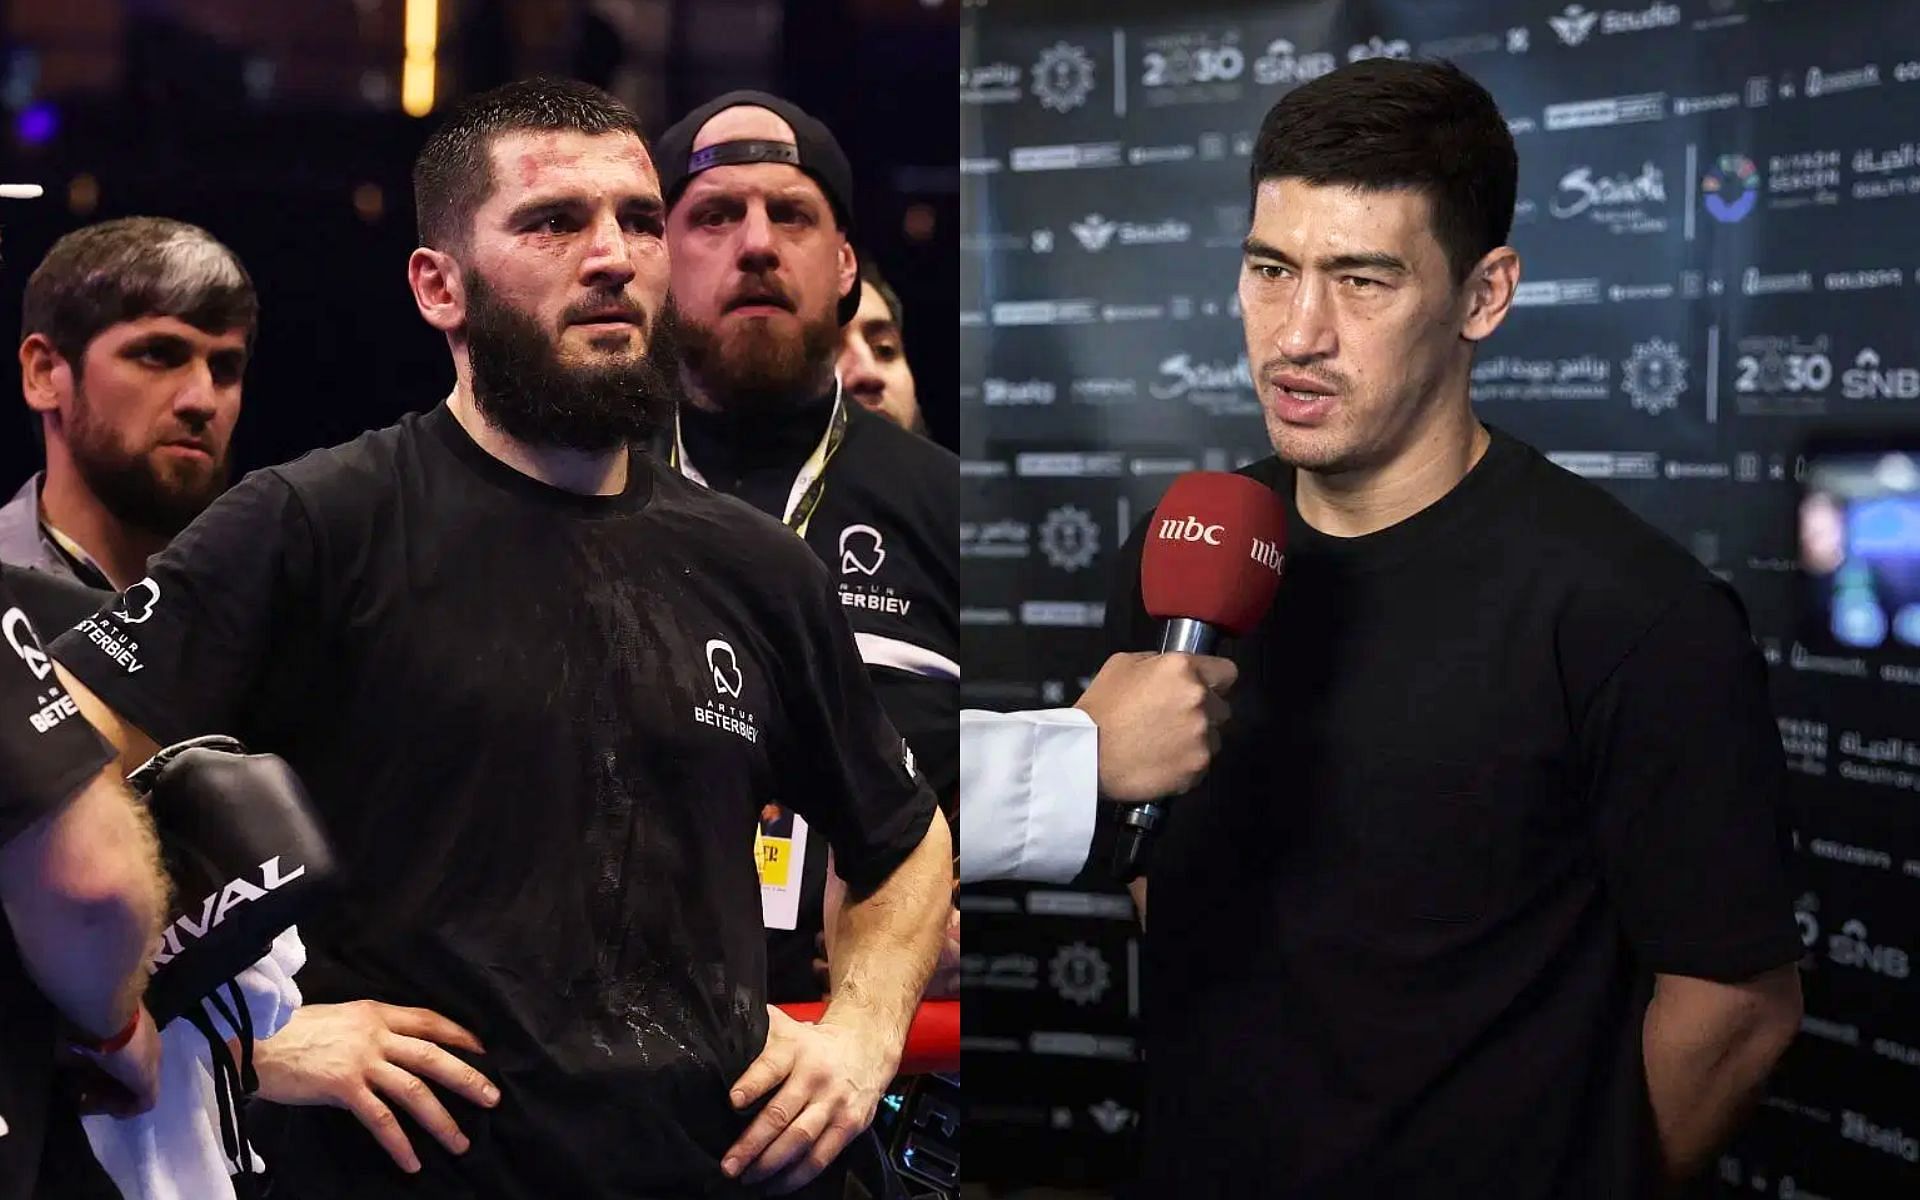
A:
{"x":1860,"y":547}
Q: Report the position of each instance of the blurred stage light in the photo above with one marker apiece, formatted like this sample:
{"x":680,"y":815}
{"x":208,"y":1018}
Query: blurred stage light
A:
{"x":37,"y":124}
{"x":423,"y":43}
{"x":919,"y":222}
{"x":83,"y":194}
{"x":370,"y":202}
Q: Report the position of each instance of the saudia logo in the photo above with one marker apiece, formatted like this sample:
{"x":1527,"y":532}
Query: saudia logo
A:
{"x":216,"y":906}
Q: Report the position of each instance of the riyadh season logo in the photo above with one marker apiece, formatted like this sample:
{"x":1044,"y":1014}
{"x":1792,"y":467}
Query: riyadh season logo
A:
{"x":1080,"y":974}
{"x":861,"y":550}
{"x":1069,"y":538}
{"x":1731,"y":188}
{"x":1654,"y":375}
{"x":1063,"y":77}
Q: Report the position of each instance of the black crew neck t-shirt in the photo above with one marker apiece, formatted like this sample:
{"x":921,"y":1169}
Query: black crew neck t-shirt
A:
{"x":539,"y":727}
{"x":886,"y":528}
{"x":1488,"y":771}
{"x":47,"y":753}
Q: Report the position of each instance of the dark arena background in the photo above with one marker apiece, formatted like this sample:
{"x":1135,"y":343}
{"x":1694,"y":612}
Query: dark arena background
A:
{"x":288,"y":131}
{"x":1717,"y":212}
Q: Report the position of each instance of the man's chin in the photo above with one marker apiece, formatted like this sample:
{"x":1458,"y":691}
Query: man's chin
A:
{"x":599,"y":345}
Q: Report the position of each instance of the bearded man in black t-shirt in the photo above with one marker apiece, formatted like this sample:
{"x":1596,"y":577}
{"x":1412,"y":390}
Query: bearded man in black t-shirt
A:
{"x":765,"y":275}
{"x":540,"y":688}
{"x":1484,"y":893}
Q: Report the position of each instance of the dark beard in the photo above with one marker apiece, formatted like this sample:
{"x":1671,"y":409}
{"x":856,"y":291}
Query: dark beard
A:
{"x":521,"y":386}
{"x":753,"y":370}
{"x":133,"y":489}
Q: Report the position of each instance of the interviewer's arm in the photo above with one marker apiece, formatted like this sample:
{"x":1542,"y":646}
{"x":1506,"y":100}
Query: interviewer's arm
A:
{"x":1708,"y":1048}
{"x":1028,"y":794}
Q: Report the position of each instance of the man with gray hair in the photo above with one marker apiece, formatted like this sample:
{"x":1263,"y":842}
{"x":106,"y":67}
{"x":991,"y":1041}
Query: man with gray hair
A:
{"x":134,"y":337}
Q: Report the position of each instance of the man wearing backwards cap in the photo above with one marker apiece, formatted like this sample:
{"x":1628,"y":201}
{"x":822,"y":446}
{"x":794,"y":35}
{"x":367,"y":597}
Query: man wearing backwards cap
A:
{"x":540,"y":687}
{"x":759,"y":222}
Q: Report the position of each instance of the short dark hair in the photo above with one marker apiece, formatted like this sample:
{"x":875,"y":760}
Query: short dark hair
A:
{"x":870,"y":274}
{"x":1383,"y":124}
{"x":133,"y":267}
{"x":453,"y":176}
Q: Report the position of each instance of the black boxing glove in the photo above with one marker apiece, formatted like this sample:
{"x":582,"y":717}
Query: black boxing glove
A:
{"x":247,"y":858}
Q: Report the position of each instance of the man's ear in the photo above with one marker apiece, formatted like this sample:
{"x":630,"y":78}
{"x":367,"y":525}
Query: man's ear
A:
{"x":439,"y":289}
{"x":46,"y":378}
{"x":1490,"y":290}
{"x":849,"y":266}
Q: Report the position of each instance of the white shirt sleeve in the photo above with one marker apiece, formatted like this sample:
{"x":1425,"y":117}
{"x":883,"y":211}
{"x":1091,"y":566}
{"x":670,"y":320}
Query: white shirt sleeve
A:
{"x":1029,"y":787}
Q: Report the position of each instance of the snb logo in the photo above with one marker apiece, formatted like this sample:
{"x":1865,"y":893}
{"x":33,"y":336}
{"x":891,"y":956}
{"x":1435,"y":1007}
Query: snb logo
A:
{"x":137,"y":604}
{"x":861,"y":550}
{"x":725,"y":668}
{"x":19,"y":633}
{"x":1190,"y":529}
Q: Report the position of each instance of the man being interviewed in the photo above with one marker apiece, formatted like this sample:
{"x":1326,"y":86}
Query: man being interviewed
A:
{"x":1483,"y":895}
{"x":540,"y":688}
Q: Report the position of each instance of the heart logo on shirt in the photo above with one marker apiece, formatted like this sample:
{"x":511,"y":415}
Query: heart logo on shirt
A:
{"x":725,"y":668}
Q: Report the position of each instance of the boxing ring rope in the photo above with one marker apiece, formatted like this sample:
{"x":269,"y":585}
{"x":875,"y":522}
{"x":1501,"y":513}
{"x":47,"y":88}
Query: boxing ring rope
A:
{"x":933,"y":1040}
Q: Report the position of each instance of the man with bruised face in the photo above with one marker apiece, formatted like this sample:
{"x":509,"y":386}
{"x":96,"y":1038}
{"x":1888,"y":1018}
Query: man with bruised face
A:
{"x":540,"y":688}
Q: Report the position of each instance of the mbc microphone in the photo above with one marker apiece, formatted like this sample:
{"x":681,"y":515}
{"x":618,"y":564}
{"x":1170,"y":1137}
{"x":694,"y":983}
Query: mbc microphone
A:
{"x":1210,"y":566}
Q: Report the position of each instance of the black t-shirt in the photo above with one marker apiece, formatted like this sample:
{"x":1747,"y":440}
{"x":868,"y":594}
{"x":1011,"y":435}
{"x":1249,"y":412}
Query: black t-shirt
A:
{"x":1488,"y":771}
{"x":47,"y":752}
{"x":539,"y":727}
{"x":886,"y":528}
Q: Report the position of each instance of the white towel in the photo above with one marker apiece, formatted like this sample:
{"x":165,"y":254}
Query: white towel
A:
{"x":172,"y":1151}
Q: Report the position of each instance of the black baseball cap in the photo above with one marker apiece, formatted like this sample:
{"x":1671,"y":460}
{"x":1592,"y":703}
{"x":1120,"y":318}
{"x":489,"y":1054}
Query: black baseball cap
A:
{"x":813,"y":151}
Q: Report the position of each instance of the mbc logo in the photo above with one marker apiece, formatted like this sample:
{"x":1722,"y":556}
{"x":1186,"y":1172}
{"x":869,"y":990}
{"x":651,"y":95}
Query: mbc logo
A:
{"x":1190,"y":529}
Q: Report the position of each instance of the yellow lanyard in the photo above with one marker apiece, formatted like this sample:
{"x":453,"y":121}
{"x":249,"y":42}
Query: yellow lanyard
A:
{"x":808,"y":486}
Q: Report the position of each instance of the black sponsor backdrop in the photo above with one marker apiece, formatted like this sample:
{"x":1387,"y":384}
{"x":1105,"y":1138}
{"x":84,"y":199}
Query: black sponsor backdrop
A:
{"x":1717,"y":209}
